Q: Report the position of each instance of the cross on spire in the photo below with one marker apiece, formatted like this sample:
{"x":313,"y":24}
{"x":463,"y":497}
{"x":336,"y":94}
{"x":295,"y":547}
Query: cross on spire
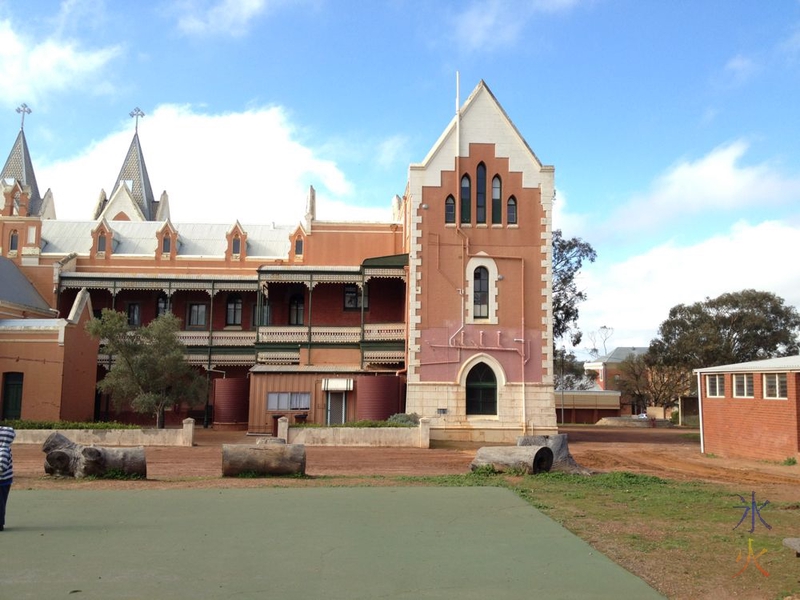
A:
{"x":23,"y":110}
{"x":136,"y":113}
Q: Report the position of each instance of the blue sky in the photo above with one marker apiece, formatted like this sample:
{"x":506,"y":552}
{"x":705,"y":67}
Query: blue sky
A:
{"x":673,"y":126}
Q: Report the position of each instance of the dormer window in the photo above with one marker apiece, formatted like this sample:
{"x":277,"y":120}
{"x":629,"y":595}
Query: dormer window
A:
{"x":298,"y":247}
{"x":236,"y":245}
{"x":101,"y":242}
{"x":13,"y":241}
{"x":166,"y":245}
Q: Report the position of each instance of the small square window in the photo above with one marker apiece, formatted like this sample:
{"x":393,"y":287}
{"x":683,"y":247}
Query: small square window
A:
{"x":353,"y":296}
{"x":775,"y":387}
{"x":715,"y":386}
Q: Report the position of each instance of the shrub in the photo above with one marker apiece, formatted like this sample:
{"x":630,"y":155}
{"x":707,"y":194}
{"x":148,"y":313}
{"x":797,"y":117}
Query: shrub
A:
{"x":408,"y":419}
{"x":19,"y":424}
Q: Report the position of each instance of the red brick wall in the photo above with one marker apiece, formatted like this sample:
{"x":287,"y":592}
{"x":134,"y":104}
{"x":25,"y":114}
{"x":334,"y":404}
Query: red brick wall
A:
{"x":754,"y":428}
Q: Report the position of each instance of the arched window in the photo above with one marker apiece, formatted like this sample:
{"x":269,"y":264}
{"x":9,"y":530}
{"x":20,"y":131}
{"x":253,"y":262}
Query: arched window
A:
{"x":480,"y":294}
{"x":481,"y":390}
{"x":233,"y":312}
{"x":465,"y":200}
{"x":296,"y":310}
{"x":236,"y":246}
{"x":166,"y":244}
{"x":511,"y":214}
{"x":101,"y":242}
{"x":450,"y":210}
{"x":480,"y":194}
{"x":298,"y":247}
{"x":497,"y":202}
{"x":13,"y":241}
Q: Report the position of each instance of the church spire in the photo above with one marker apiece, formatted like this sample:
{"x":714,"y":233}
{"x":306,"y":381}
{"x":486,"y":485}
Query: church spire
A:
{"x":20,"y":168}
{"x":134,"y":174}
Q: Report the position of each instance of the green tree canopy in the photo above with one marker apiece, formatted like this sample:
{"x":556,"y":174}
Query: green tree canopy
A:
{"x":734,"y":327}
{"x":569,"y":373}
{"x":568,"y":258}
{"x":650,"y":383}
{"x":150,"y":371}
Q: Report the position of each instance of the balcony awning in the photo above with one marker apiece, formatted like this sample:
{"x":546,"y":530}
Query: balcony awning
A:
{"x":337,"y":385}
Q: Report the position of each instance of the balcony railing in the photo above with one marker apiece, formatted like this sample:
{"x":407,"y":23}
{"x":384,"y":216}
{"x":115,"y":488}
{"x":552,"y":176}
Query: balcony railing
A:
{"x":218,"y":338}
{"x":296,"y":334}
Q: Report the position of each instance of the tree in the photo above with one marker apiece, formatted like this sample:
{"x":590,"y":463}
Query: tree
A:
{"x":569,"y":373}
{"x":649,"y":383}
{"x":150,"y":371}
{"x":568,"y":258}
{"x":732,"y":328}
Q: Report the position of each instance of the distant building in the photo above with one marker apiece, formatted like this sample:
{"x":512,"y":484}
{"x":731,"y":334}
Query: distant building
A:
{"x":608,"y":373}
{"x":444,"y":311}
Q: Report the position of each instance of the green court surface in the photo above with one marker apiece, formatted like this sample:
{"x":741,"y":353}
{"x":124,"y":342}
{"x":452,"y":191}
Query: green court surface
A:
{"x":331,"y":543}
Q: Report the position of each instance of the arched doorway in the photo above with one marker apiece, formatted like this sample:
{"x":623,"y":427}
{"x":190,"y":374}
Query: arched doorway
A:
{"x":481,"y":390}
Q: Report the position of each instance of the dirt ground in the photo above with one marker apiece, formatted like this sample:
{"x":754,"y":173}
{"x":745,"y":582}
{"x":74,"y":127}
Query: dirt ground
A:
{"x":666,"y":453}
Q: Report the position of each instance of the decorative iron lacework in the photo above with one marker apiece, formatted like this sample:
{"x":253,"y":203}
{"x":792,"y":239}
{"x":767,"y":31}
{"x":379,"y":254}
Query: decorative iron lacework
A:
{"x":279,"y":358}
{"x":222,"y":359}
{"x":384,"y":274}
{"x":384,"y":357}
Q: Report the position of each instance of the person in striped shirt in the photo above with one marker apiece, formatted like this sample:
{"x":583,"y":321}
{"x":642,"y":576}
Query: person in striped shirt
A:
{"x":7,"y":435}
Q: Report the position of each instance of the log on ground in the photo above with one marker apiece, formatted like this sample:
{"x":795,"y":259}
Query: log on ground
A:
{"x":527,"y":459}
{"x":66,"y":458}
{"x":263,"y":459}
{"x":562,"y":459}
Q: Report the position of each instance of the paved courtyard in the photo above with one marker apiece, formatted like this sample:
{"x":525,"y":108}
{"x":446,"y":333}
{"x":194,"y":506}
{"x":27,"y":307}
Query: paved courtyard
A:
{"x":348,"y":543}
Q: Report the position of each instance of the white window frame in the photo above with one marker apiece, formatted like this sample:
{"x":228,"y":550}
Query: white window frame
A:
{"x":780,"y":380}
{"x":719,"y":385}
{"x":743,"y":385}
{"x":491,"y":266}
{"x":288,"y":401}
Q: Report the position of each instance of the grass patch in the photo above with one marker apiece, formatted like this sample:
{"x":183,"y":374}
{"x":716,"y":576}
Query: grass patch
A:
{"x":694,"y":436}
{"x":789,"y":462}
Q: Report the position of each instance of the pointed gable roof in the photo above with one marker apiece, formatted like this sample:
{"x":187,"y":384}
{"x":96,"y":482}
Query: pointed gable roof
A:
{"x":134,"y":171}
{"x":19,"y":167}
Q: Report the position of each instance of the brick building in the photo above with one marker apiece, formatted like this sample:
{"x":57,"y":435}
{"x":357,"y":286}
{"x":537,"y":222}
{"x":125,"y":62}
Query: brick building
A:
{"x":444,"y":311}
{"x":751,"y":410}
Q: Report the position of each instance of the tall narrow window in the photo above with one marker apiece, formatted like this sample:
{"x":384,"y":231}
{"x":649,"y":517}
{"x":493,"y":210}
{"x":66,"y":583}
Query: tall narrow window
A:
{"x":233,"y":312}
{"x":480,"y":194}
{"x":298,"y":247}
{"x":511,"y":216}
{"x":263,"y":318}
{"x":162,"y":304}
{"x":497,"y":202}
{"x":134,"y":314}
{"x":481,"y":390}
{"x":13,"y":242}
{"x":101,"y":242}
{"x":450,"y":210}
{"x":166,"y":245}
{"x":236,"y":247}
{"x":465,"y":200}
{"x":480,"y":292}
{"x":296,"y":310}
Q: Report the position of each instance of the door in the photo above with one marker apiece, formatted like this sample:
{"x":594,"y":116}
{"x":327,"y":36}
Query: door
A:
{"x":12,"y":396}
{"x":337,"y":405}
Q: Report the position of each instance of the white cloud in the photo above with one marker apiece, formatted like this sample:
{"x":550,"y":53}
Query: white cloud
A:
{"x":217,"y":168}
{"x":634,"y":296}
{"x":717,"y":181}
{"x":492,"y":24}
{"x":740,"y":69}
{"x":226,"y":17}
{"x":32,"y":68}
{"x":392,"y":150}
